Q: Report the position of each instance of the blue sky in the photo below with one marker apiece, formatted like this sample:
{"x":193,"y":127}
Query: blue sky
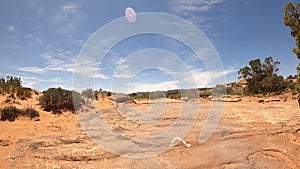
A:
{"x":41,"y":40}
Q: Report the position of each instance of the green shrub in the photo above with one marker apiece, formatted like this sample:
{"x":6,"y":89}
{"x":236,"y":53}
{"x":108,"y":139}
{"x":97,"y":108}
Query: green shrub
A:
{"x":229,"y":91}
{"x":173,"y":94}
{"x":190,"y":94}
{"x":156,"y":95}
{"x":30,"y":112}
{"x":219,"y":90}
{"x":291,"y":85}
{"x":77,"y":101}
{"x":24,"y":93}
{"x":140,"y":95}
{"x":262,"y":77}
{"x":12,"y":86}
{"x":237,"y":90}
{"x":205,"y":94}
{"x":10,"y":113}
{"x":294,"y":92}
{"x":89,"y":93}
{"x":58,"y":99}
{"x":36,"y":92}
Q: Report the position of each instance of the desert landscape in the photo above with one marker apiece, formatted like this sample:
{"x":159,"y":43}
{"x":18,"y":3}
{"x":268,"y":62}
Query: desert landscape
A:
{"x":173,"y":84}
{"x":249,"y":135}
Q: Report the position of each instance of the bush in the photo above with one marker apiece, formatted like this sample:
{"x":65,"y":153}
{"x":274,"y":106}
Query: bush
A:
{"x":237,"y":90}
{"x":77,"y":100}
{"x":10,"y":113}
{"x":156,"y":95}
{"x":262,"y":77}
{"x":12,"y":86}
{"x":58,"y":99}
{"x":294,"y":92}
{"x":36,"y":92}
{"x":140,"y":95}
{"x":89,"y":93}
{"x":205,"y":94}
{"x":24,"y":93}
{"x":29,"y":112}
{"x":173,"y":94}
{"x":220,"y":90}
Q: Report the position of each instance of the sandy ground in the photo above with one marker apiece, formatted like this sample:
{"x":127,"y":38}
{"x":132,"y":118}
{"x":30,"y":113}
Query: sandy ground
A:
{"x":249,"y":135}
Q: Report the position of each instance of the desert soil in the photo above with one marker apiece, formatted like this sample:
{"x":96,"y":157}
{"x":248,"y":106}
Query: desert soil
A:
{"x":249,"y":135}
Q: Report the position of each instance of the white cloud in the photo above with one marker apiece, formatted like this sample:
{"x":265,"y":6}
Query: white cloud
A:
{"x":145,"y":74}
{"x":183,"y":79}
{"x":79,"y":42}
{"x":10,"y":28}
{"x":163,"y":86}
{"x":32,"y":69}
{"x":58,"y":60}
{"x":198,"y":76}
{"x":31,"y":81}
{"x":187,"y":6}
{"x":70,"y":8}
{"x":89,"y":67}
{"x":101,"y":76}
{"x":203,"y":78}
{"x":190,"y":9}
{"x":39,"y":83}
{"x":68,"y":18}
{"x":124,"y":71}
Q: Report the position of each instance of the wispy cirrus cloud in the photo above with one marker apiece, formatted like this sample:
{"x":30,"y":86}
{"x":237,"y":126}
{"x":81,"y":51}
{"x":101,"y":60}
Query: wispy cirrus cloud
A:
{"x":204,"y":78}
{"x":68,"y":18}
{"x":186,"y":7}
{"x":62,"y":61}
{"x":101,"y":76}
{"x":58,"y":60}
{"x":31,"y":81}
{"x":36,"y":82}
{"x":185,"y":75}
{"x":191,"y":10}
{"x":32,"y":69}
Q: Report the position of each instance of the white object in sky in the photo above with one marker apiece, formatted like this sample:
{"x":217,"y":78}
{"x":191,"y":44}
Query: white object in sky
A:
{"x":130,"y":14}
